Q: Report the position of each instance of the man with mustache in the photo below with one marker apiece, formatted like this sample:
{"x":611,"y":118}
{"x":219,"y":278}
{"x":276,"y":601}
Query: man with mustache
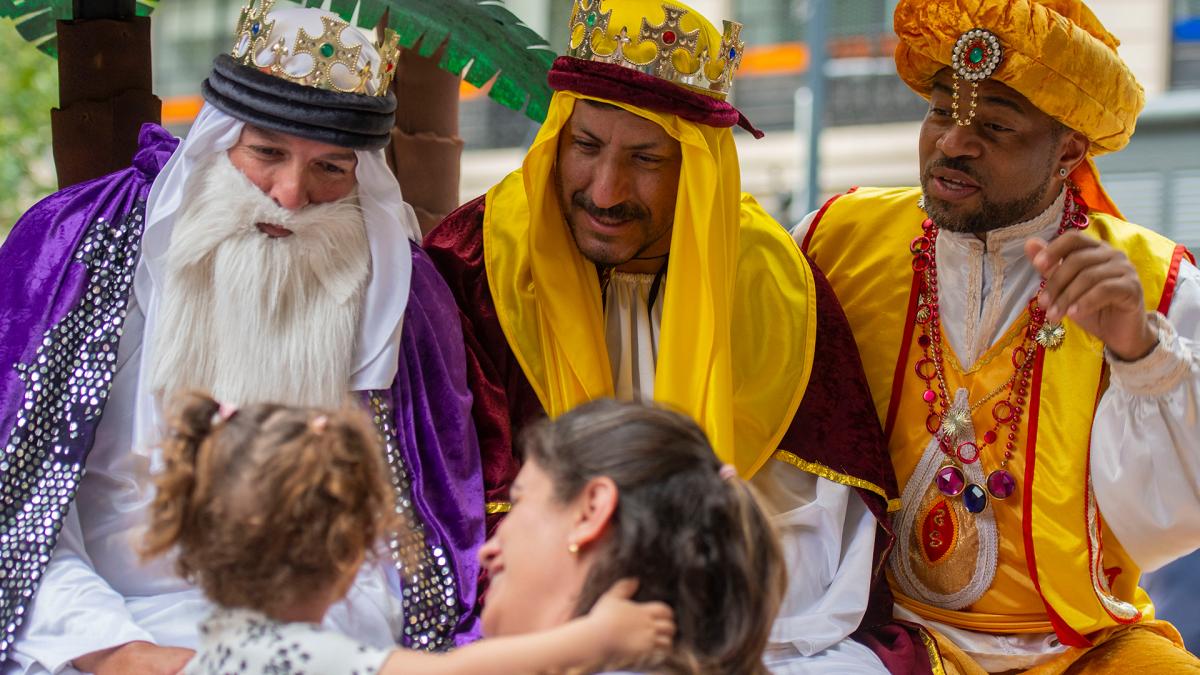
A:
{"x":268,"y":256}
{"x":1033,"y":356}
{"x":623,"y":260}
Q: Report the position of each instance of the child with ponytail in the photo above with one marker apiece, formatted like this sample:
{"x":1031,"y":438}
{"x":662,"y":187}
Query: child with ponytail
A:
{"x":271,"y":511}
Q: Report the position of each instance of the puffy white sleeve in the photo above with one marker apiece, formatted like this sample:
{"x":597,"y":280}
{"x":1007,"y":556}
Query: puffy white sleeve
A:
{"x":1146,"y":438}
{"x":75,"y":612}
{"x":828,"y":539}
{"x":800,"y":229}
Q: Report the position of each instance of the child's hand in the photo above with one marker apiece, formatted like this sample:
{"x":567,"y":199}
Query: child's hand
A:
{"x":631,"y":630}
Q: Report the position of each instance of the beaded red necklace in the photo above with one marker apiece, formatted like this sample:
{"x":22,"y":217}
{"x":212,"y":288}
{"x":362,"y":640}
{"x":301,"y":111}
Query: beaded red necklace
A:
{"x":950,"y":424}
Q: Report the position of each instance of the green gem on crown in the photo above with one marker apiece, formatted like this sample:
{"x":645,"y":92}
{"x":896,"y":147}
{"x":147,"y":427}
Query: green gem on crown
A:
{"x":327,"y":50}
{"x":976,"y":55}
{"x":591,"y":19}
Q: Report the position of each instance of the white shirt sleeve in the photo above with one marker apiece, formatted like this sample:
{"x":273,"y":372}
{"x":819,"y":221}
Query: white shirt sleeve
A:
{"x":828,"y":539}
{"x":74,"y":612}
{"x":1146,"y":438}
{"x":800,"y":230}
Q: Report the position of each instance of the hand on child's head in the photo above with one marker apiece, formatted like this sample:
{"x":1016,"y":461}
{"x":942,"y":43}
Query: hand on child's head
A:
{"x":632,"y":630}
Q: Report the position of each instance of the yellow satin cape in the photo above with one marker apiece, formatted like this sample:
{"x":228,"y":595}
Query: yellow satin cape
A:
{"x":739,"y":313}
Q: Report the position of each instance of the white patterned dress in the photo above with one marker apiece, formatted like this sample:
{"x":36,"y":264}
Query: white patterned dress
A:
{"x":234,"y":641}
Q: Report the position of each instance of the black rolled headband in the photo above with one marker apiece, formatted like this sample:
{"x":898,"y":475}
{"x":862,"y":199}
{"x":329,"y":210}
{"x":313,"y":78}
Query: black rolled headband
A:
{"x":356,"y":121}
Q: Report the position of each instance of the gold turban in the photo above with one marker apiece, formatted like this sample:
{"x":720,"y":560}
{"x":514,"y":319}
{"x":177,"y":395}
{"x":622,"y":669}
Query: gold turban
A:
{"x":1055,"y":53}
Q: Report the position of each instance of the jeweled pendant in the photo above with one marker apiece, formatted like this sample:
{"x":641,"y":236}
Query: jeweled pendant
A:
{"x":950,"y":481}
{"x":955,"y":422}
{"x":1001,"y":484}
{"x":974,"y":498}
{"x":1051,"y":335}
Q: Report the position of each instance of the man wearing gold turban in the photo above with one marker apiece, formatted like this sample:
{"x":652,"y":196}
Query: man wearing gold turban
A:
{"x":623,"y":260}
{"x":1032,"y":355}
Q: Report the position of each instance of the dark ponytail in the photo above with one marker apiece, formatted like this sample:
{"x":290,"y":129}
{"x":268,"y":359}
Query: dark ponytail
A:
{"x":693,"y":538}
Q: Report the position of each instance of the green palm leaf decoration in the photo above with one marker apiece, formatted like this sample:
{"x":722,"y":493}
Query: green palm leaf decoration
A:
{"x":35,"y":19}
{"x":485,"y":39}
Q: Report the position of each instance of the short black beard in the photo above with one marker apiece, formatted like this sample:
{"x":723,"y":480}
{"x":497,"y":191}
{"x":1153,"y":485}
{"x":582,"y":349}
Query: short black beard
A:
{"x":991,"y":215}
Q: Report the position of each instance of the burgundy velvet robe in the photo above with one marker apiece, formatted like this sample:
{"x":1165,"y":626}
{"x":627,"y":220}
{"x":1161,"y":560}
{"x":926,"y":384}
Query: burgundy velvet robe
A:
{"x":836,"y":425}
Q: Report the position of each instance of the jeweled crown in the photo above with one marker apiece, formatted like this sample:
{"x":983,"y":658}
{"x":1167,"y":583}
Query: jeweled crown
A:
{"x":255,"y":33}
{"x":696,"y":59}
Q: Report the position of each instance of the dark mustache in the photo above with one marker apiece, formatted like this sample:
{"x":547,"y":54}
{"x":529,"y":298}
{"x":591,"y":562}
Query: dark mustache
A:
{"x":954,"y":164}
{"x":620,"y":212}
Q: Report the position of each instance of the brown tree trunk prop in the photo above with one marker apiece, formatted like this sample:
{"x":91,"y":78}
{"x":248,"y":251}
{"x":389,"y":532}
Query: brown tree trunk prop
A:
{"x":426,"y":150}
{"x":105,"y":95}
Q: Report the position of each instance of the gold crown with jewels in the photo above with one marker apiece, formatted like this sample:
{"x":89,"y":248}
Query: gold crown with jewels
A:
{"x":254,"y":33}
{"x":684,"y":49}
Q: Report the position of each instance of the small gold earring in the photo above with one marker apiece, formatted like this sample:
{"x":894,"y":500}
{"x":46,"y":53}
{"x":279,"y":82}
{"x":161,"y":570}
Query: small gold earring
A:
{"x":572,"y":548}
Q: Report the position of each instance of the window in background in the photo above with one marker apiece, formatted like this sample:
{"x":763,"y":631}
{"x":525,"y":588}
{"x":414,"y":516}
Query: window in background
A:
{"x":188,"y":34}
{"x":1185,"y":51}
{"x":862,"y":86}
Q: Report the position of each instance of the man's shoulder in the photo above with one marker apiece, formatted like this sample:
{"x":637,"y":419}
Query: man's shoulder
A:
{"x":870,"y":198}
{"x":460,"y":232}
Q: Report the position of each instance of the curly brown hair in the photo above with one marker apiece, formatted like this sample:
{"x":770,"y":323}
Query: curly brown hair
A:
{"x":693,"y":539}
{"x":270,"y":504}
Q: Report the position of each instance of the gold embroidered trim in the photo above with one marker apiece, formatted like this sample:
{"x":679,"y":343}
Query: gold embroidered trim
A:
{"x":498,"y":507}
{"x":998,"y":349}
{"x":835,"y":476}
{"x":935,"y":656}
{"x":1123,"y":612}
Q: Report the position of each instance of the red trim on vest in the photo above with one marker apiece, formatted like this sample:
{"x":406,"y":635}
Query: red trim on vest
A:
{"x":813,"y":228}
{"x":1066,"y":634}
{"x":910,"y":324}
{"x":1164,"y":303}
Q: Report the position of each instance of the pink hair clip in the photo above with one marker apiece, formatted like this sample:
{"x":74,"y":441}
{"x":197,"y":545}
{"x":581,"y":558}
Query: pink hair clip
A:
{"x":727,"y":472}
{"x":224,"y":412}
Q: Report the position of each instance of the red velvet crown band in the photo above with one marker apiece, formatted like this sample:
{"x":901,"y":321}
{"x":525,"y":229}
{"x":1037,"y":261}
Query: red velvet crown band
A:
{"x":618,"y":83}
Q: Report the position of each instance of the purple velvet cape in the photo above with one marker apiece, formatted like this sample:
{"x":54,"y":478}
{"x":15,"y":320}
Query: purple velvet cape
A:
{"x":47,"y":277}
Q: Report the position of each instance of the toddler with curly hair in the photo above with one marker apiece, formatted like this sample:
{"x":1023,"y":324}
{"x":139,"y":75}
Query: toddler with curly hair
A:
{"x":271,"y":510}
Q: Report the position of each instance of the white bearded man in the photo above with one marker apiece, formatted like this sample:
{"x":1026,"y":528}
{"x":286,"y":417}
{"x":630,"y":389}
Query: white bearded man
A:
{"x":267,"y":257}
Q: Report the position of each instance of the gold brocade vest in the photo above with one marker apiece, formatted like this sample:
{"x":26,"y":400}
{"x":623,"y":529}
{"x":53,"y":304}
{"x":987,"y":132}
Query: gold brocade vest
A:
{"x":1042,"y":559}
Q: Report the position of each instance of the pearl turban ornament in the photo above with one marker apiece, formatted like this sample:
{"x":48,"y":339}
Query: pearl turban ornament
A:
{"x":1056,"y":53}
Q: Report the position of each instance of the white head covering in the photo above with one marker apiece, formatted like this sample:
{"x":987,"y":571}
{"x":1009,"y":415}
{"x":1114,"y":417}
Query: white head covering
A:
{"x":390,"y":224}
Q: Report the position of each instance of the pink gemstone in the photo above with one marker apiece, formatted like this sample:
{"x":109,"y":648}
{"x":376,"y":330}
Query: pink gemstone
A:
{"x":1001,"y":484}
{"x":929,"y":396}
{"x":950,"y":481}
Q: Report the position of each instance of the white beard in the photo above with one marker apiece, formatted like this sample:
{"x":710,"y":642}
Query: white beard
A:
{"x":250,"y":318}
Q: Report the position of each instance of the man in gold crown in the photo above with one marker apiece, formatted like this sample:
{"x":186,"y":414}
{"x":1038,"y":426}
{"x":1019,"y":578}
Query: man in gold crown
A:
{"x":1032,"y":355}
{"x":623,"y":260}
{"x":268,"y":256}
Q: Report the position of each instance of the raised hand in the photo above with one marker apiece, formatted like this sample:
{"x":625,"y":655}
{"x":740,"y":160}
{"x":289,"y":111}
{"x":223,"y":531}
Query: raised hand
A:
{"x":1097,"y":287}
{"x":632,"y":630}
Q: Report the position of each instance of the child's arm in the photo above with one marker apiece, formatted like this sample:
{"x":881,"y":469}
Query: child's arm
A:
{"x":615,"y":629}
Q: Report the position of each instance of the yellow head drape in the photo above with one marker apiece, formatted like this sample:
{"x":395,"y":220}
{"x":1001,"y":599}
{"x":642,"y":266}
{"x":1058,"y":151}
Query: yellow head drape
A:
{"x":739,"y":318}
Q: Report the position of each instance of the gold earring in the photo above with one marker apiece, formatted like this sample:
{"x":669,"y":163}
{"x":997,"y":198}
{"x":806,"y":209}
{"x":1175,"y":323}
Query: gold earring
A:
{"x":573,"y":548}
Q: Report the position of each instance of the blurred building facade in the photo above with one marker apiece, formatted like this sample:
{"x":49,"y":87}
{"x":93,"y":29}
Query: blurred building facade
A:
{"x":870,"y":118}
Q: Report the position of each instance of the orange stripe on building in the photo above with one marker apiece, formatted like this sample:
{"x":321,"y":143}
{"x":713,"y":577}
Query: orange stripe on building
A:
{"x":181,"y":109}
{"x":786,"y":58}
